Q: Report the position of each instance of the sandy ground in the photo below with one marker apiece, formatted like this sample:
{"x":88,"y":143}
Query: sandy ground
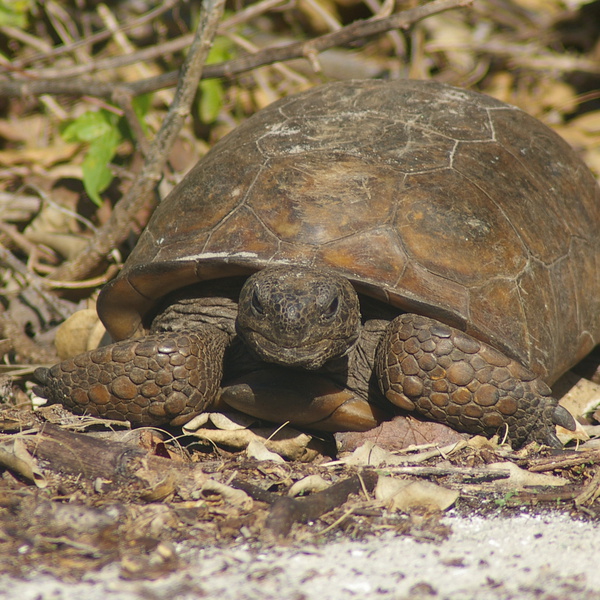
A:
{"x":549,"y":557}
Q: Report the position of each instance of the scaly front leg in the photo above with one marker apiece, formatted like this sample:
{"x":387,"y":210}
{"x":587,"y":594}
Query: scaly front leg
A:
{"x":451,"y":377}
{"x":164,"y":378}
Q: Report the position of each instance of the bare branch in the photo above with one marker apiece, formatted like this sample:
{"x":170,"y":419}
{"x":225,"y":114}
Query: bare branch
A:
{"x":344,"y":36}
{"x":131,"y":58}
{"x":141,"y":192}
{"x":46,"y":53}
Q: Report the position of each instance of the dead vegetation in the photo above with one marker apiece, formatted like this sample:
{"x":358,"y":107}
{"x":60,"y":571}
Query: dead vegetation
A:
{"x":85,"y":85}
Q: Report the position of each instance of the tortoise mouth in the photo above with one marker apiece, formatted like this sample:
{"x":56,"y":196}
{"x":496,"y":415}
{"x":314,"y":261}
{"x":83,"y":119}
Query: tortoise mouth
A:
{"x":310,"y":356}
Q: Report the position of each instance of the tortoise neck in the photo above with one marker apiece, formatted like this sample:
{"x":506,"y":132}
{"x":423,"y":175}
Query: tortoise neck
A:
{"x":213,"y":302}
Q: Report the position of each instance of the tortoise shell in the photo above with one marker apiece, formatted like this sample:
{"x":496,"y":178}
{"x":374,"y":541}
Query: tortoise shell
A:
{"x":434,"y":199}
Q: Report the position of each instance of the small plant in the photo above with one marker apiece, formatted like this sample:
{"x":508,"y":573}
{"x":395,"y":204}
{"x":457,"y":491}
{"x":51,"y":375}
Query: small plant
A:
{"x":103,"y":131}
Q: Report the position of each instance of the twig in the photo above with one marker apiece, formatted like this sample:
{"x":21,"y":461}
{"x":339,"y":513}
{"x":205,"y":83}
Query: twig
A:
{"x":85,"y":549}
{"x":34,"y":282}
{"x":122,"y":463}
{"x":89,"y":40}
{"x":83,"y":284}
{"x":287,"y":511}
{"x":590,"y":492}
{"x":26,"y":38}
{"x":254,"y":491}
{"x":24,"y":347}
{"x":20,"y":241}
{"x":570,"y":459}
{"x":117,"y":228}
{"x":115,"y":62}
{"x":558,"y":495}
{"x":465,"y":473}
{"x":346,"y":35}
{"x":252,"y":49}
{"x":530,"y":56}
{"x":252,"y":11}
{"x":336,"y":522}
{"x":144,"y":55}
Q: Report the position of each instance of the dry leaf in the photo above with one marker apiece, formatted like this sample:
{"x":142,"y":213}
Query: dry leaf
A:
{"x":399,"y":433}
{"x":451,"y":34}
{"x":231,"y":421}
{"x":257,"y":450}
{"x":158,"y":490}
{"x":227,"y":421}
{"x":405,"y":495}
{"x":542,"y":6}
{"x":14,"y":456}
{"x":371,"y":455}
{"x":322,"y":14}
{"x":42,"y":157}
{"x":230,"y":495}
{"x":81,"y":332}
{"x":309,"y":485}
{"x":287,"y":442}
{"x":520,"y":478}
{"x":580,"y":397}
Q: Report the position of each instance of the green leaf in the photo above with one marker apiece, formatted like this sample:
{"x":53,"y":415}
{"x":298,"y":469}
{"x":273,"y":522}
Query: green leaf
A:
{"x":211,"y":99}
{"x":96,"y":172}
{"x":221,"y":50}
{"x":99,"y":129}
{"x":502,"y":502}
{"x":14,"y":13}
{"x":141,"y":106}
{"x":88,"y":127}
{"x":212,"y":91}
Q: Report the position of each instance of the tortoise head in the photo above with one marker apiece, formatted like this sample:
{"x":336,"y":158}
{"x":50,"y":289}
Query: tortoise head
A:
{"x":298,"y":316}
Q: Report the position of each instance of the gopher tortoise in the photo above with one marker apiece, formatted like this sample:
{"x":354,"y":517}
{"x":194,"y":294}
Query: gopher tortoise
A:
{"x":357,"y":250}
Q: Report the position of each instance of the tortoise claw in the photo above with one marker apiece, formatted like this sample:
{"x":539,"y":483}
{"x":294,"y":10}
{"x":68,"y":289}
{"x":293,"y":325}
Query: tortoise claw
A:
{"x":561,"y":416}
{"x":545,"y":431}
{"x":552,"y":440}
{"x":42,"y":374}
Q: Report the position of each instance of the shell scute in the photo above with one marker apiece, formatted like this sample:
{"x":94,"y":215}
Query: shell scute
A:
{"x":315,"y":199}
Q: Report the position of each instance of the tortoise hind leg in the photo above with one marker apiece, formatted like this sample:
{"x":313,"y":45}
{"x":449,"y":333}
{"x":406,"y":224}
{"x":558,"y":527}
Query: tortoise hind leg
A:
{"x":450,"y":377}
{"x":164,"y":378}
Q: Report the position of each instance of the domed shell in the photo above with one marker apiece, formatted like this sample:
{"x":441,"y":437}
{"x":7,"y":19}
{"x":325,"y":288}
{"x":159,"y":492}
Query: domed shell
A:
{"x":437,"y":200}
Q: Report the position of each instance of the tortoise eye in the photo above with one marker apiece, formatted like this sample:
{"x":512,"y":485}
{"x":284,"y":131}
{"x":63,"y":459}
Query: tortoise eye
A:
{"x":256,"y":304}
{"x":332,"y":309}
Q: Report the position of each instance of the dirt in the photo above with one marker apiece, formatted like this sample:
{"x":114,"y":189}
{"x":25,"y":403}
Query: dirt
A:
{"x":527,"y":556}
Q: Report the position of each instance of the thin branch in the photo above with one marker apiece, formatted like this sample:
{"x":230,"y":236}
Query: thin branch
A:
{"x":117,"y":228}
{"x":530,"y":55}
{"x":346,"y":35}
{"x":563,"y":461}
{"x":144,"y":55}
{"x":32,"y":281}
{"x":100,"y":36}
{"x":287,"y":511}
